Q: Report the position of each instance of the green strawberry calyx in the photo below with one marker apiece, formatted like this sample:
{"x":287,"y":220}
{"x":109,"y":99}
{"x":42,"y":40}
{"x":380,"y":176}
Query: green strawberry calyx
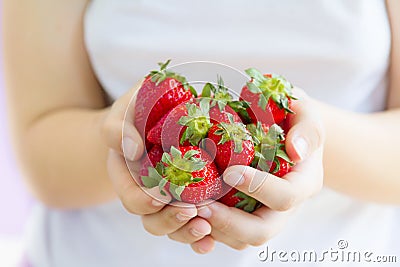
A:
{"x":233,"y":131}
{"x":220,"y":96}
{"x":160,"y":75}
{"x":176,"y":168}
{"x":268,"y":146}
{"x":272,"y":86}
{"x":247,"y":203}
{"x":197,"y":122}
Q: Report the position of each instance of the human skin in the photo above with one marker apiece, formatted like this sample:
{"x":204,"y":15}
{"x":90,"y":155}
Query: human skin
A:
{"x":69,"y":141}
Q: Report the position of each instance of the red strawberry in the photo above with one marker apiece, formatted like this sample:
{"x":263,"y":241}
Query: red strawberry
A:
{"x":235,"y":198}
{"x":280,"y":167}
{"x":160,"y":92}
{"x":221,"y":102}
{"x":150,"y":159}
{"x":188,"y":173}
{"x":270,"y":155}
{"x":269,"y":97}
{"x":186,"y":124}
{"x":231,"y":144}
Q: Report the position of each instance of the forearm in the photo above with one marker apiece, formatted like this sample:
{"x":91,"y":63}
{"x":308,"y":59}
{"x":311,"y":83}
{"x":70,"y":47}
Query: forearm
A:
{"x":64,"y":158}
{"x":361,"y":153}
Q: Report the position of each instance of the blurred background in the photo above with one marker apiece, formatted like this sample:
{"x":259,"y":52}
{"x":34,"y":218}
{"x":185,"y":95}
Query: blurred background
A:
{"x":15,"y":202}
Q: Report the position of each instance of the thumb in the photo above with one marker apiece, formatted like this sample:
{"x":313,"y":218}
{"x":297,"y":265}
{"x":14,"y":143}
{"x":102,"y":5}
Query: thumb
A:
{"x":306,"y":133}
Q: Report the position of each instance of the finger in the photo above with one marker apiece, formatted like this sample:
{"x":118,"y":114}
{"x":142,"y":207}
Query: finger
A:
{"x":119,"y":131}
{"x":133,"y":197}
{"x":191,"y":232}
{"x":228,"y":240}
{"x":306,"y":132}
{"x":169,"y":219}
{"x":306,"y":177}
{"x":234,"y":223}
{"x":272,"y":191}
{"x":204,"y":245}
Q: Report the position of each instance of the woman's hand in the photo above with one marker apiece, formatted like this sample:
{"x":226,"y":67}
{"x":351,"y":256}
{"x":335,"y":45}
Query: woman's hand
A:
{"x":280,"y":196}
{"x":126,"y":148}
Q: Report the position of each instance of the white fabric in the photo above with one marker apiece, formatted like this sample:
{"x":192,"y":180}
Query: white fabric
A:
{"x":337,"y":50}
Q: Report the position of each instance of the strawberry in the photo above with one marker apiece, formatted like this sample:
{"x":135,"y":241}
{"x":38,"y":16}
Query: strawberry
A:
{"x":231,"y":144}
{"x":269,"y":97}
{"x":270,"y":155}
{"x":235,"y":198}
{"x":280,"y":167}
{"x":222,"y":102}
{"x":150,"y":159}
{"x":187,"y":173}
{"x":161,"y":91}
{"x":186,"y":124}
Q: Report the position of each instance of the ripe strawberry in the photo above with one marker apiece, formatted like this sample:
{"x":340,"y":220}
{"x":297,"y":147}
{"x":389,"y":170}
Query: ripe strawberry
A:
{"x":222,"y":102}
{"x":186,"y":124}
{"x":269,"y":97}
{"x":231,"y":144}
{"x":150,"y":159}
{"x":161,"y":91}
{"x":280,"y":167}
{"x":270,"y":155}
{"x":235,"y":198}
{"x":188,"y":173}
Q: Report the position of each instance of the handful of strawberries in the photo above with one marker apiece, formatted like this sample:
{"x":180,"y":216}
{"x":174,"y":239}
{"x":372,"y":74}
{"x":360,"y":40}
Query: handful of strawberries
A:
{"x":191,"y":140}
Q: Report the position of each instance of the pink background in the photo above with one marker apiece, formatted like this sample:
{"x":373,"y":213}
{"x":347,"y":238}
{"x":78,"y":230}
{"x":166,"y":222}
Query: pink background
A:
{"x":15,"y":202}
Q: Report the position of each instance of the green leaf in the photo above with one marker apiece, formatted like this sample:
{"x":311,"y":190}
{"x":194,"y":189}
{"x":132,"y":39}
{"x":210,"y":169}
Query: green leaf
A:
{"x":207,"y":90}
{"x":163,"y":66}
{"x":176,"y":191}
{"x":221,"y":105}
{"x":262,"y":102}
{"x":198,"y":179}
{"x":153,"y":178}
{"x":282,"y":154}
{"x":205,"y":106}
{"x":256,"y":74}
{"x":184,"y":137}
{"x":253,"y":88}
{"x":166,"y":158}
{"x":193,"y":91}
{"x":161,"y":186}
{"x":184,"y":120}
{"x":175,"y":153}
{"x":238,"y":145}
{"x":191,"y":153}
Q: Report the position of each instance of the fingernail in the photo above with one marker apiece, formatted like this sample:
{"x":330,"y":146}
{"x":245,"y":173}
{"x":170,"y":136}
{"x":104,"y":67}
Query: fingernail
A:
{"x":301,"y":147}
{"x":130,"y":148}
{"x":204,"y":212}
{"x":185,"y":216}
{"x":196,"y":233}
{"x":201,"y":251}
{"x":234,"y":178}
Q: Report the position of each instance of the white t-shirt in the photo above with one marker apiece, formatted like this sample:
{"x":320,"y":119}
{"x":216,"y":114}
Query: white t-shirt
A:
{"x":336,"y":50}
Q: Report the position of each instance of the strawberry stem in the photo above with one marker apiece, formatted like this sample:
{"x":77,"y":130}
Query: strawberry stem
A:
{"x":273,"y":86}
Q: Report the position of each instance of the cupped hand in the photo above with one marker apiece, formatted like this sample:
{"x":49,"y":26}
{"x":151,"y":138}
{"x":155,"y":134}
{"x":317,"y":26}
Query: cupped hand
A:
{"x":126,"y":149}
{"x":279,"y":196}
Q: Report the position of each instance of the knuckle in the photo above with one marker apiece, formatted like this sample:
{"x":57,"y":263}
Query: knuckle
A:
{"x":129,"y":208}
{"x":149,"y":227}
{"x":319,"y":133}
{"x":133,"y":204}
{"x":225,"y":225}
{"x":287,"y":201}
